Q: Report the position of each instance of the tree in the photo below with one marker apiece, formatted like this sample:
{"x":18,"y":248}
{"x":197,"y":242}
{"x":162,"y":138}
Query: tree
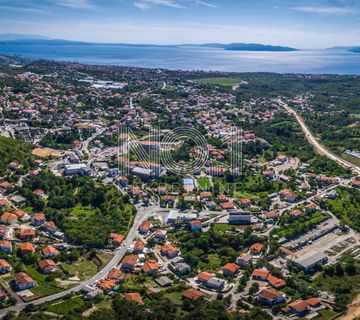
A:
{"x":254,"y":288}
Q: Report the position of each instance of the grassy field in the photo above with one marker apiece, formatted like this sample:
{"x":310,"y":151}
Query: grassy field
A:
{"x":325,"y":314}
{"x":79,"y":211}
{"x":227,"y":82}
{"x":43,"y":288}
{"x":204,"y":184}
{"x":85,"y":268}
{"x":214,"y":263}
{"x":68,"y":306}
{"x":174,"y":297}
{"x":346,"y":206}
{"x":351,"y":159}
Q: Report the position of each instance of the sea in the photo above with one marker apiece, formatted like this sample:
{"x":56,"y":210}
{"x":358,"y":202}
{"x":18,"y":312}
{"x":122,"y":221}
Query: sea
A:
{"x":332,"y":61}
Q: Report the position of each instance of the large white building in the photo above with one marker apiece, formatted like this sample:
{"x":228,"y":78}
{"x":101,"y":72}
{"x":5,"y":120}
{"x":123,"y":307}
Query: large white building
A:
{"x":77,"y":168}
{"x":239,"y":217}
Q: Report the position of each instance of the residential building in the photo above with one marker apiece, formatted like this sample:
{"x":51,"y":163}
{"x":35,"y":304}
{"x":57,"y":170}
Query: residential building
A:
{"x":260,"y":274}
{"x":270,"y":296}
{"x":50,"y":252}
{"x":107,"y":285}
{"x":4,"y":266}
{"x":150,"y":267}
{"x":169,"y":251}
{"x":8,"y":218}
{"x":230,"y":269}
{"x":38,"y":219}
{"x":145,"y":226}
{"x":216,"y":284}
{"x":27,"y":248}
{"x":182,"y":268}
{"x":129,"y":262}
{"x":23,"y":281}
{"x":5,"y":246}
{"x":134,"y":296}
{"x":193,"y":294}
{"x":47,"y":266}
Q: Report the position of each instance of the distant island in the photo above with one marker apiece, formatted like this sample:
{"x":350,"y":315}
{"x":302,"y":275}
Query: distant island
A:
{"x":21,"y":39}
{"x":249,"y":47}
{"x":356,"y":50}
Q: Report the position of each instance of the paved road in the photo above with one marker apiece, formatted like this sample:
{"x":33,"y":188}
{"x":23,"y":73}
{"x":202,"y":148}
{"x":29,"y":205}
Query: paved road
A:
{"x":142,"y":214}
{"x":321,"y":149}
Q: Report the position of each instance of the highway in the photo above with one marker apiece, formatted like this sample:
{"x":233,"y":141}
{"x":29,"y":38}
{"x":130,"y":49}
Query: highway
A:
{"x":321,"y":149}
{"x":142,"y":214}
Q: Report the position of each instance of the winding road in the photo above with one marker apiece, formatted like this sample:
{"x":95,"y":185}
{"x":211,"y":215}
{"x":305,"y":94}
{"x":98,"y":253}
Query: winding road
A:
{"x":142,"y":214}
{"x":321,"y":149}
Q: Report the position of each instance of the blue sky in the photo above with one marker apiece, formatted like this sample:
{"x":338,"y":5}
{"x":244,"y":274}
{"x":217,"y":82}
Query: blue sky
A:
{"x":301,"y":24}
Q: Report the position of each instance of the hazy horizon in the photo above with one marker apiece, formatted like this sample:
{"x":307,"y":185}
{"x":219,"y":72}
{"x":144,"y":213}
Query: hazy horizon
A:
{"x":303,"y":25}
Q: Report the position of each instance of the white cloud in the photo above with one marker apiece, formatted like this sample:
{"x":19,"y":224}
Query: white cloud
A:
{"x":75,"y":4}
{"x":206,"y":4}
{"x":141,"y":5}
{"x":325,"y":10}
{"x":147,"y":4}
{"x":23,"y":9}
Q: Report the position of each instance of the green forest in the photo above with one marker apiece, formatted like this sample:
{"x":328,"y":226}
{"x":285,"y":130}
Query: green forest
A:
{"x":86,"y":211}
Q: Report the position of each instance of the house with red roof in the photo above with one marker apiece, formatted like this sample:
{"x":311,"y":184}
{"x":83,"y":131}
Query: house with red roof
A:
{"x":150,"y":267}
{"x":275,"y":282}
{"x":23,"y":281}
{"x":138,"y":247}
{"x":27,"y":248}
{"x":19,"y":213}
{"x":50,"y":227}
{"x":169,"y":251}
{"x":299,"y":308}
{"x":50,"y":252}
{"x":295,"y":213}
{"x":260,"y":274}
{"x":160,"y":234}
{"x":193,"y":294}
{"x":271,"y":215}
{"x":4,"y":266}
{"x":133,"y":297}
{"x":195,"y":225}
{"x":204,"y":277}
{"x":230,"y":269}
{"x":39,"y":193}
{"x":145,"y":226}
{"x":38,"y":219}
{"x":26,"y":234}
{"x":5,"y":246}
{"x":116,"y":238}
{"x":8,"y":218}
{"x":245,"y":202}
{"x":129,"y":262}
{"x":114,"y":274}
{"x":288,"y":195}
{"x":270,"y":296}
{"x":3,"y":203}
{"x":107,"y":285}
{"x":355,"y":183}
{"x":222,"y":198}
{"x":47,"y":266}
{"x":227,"y":205}
{"x":256,"y":248}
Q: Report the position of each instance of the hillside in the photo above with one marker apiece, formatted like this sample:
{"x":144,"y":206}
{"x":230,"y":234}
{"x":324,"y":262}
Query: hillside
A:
{"x":14,"y":150}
